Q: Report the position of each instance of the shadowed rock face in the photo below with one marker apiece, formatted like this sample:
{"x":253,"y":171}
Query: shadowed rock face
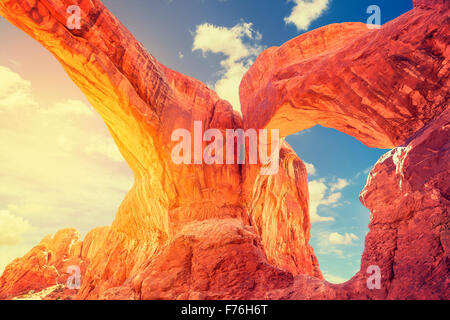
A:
{"x":379,"y":86}
{"x":226,"y":231}
{"x":408,"y":193}
{"x":142,"y":102}
{"x":430,"y":3}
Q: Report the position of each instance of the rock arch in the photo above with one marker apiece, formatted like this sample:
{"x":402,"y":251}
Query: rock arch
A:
{"x":228,"y":232}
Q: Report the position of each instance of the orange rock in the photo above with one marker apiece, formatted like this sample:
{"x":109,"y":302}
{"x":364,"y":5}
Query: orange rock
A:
{"x":226,"y":231}
{"x":379,"y":86}
{"x":408,"y":194}
{"x":211,"y":259}
{"x":142,"y":103}
{"x":43,"y":266}
{"x":430,"y":3}
{"x":279,"y":211}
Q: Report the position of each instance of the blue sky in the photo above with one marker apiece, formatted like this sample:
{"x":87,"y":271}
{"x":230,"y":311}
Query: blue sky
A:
{"x":165,"y":27}
{"x":337,"y":157}
{"x":170,"y":30}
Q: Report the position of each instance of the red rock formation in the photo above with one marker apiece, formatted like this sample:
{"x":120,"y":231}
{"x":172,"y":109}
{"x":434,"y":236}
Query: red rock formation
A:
{"x":43,"y":266}
{"x":211,"y":259}
{"x":285,"y":194}
{"x":226,"y":231}
{"x":408,"y":194}
{"x":430,"y":3}
{"x":142,"y":102}
{"x":379,"y":86}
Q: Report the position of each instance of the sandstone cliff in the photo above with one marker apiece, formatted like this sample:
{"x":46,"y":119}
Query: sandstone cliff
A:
{"x":226,"y":231}
{"x":379,"y":86}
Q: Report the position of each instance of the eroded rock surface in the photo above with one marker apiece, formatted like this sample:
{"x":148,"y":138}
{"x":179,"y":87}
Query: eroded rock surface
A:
{"x":226,"y":231}
{"x":408,"y":194}
{"x":379,"y":86}
{"x":43,"y":266}
{"x":142,"y":103}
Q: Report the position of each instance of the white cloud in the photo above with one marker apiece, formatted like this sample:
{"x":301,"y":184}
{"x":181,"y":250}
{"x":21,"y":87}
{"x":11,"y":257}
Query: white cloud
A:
{"x":317,"y":197}
{"x":363,"y":173}
{"x":105,"y":148}
{"x":12,"y":228}
{"x":70,"y":107}
{"x":322,"y":193}
{"x":339,"y":185}
{"x":336,"y":238}
{"x":14,"y":91}
{"x":334,"y":242}
{"x":310,"y":168}
{"x":59,"y":167}
{"x":180,"y":55}
{"x":239,"y":46}
{"x":16,"y":95}
{"x":305,"y":12}
{"x":334,"y":279}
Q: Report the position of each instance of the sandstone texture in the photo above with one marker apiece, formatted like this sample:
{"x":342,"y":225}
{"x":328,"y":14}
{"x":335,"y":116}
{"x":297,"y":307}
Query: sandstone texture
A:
{"x":227,"y":231}
{"x":43,"y":266}
{"x":379,"y":86}
{"x":408,"y":194}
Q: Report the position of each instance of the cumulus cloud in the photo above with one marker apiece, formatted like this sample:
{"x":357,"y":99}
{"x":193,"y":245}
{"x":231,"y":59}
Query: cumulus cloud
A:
{"x":70,"y":107}
{"x":334,"y":243}
{"x":317,"y":197}
{"x":339,"y":184}
{"x":336,"y":238}
{"x":14,"y":91}
{"x":305,"y":12}
{"x":238,"y":45}
{"x":12,"y":228}
{"x":59,"y":167}
{"x":104,"y":148}
{"x":310,"y":168}
{"x":323,"y":193}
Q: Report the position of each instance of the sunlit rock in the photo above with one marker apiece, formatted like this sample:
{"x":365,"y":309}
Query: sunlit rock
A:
{"x":227,"y":231}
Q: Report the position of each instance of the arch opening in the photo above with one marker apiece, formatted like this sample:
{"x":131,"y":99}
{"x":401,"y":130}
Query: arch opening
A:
{"x":338,"y":166}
